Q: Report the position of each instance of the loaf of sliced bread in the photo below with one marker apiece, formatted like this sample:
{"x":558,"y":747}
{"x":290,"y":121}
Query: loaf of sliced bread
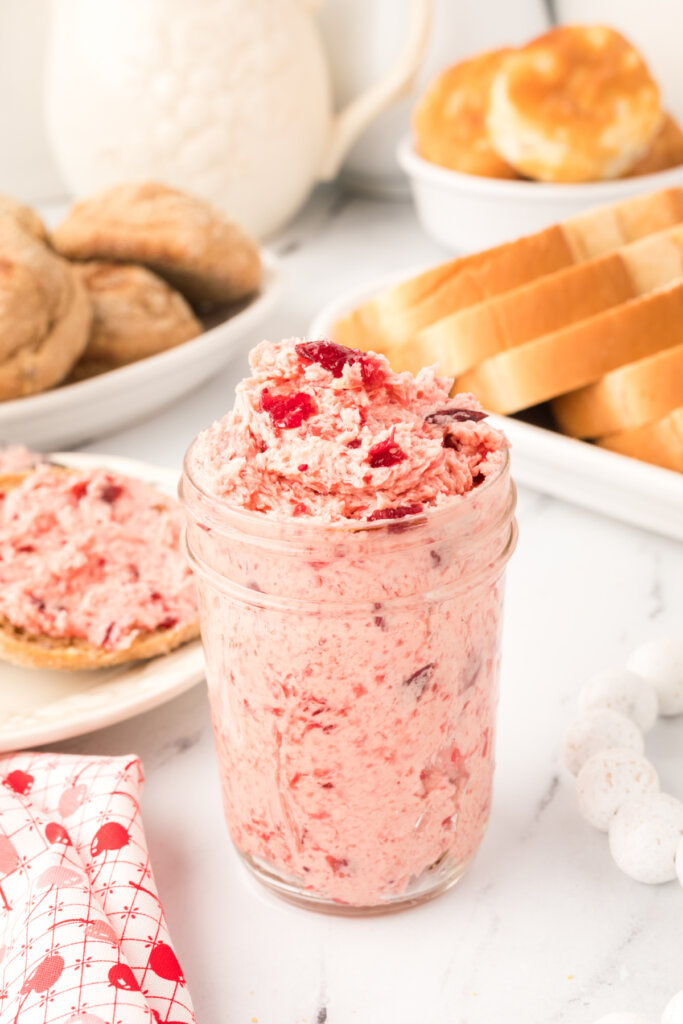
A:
{"x":660,"y":442}
{"x":390,"y":321}
{"x":580,"y":354}
{"x":463,"y":340}
{"x":624,"y":399}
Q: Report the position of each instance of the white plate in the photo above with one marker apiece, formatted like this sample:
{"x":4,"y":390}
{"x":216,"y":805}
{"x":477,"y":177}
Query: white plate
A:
{"x":466,"y":212}
{"x":38,"y":706}
{"x":79,"y":413}
{"x":547,"y":461}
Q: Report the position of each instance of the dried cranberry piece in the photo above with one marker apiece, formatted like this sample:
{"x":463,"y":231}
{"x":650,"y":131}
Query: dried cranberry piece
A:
{"x":336,"y":863}
{"x":386,"y":453}
{"x":111,"y":492}
{"x":451,"y":442}
{"x":443,"y":416}
{"x":356,"y":443}
{"x":287,"y":411}
{"x":168,"y":623}
{"x":395,"y":513}
{"x":420,"y":679}
{"x":79,"y":489}
{"x":334,"y":357}
{"x":25,"y":549}
{"x":477,"y":479}
{"x":303,"y":467}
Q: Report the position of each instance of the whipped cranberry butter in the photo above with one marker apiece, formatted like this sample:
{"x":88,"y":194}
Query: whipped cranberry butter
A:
{"x":349,"y":528}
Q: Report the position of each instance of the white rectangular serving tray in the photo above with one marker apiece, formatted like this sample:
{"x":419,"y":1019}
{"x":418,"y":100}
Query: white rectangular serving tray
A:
{"x":576,"y":471}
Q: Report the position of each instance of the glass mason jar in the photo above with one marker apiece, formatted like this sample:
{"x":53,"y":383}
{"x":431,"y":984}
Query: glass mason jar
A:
{"x":353,"y":681}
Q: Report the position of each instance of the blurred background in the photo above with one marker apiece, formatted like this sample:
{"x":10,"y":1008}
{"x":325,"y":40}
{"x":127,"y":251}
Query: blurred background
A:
{"x":199,"y":91}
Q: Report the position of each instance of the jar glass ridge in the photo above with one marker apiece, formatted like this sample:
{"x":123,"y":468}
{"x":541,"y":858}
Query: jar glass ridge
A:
{"x":353,"y":680}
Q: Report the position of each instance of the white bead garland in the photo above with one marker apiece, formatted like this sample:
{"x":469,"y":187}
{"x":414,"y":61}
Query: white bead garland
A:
{"x":622,"y":691}
{"x":617,"y":787}
{"x":660,"y":663}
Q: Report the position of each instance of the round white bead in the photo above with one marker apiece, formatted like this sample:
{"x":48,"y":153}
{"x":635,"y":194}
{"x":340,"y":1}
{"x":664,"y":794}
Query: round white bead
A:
{"x":679,"y":862}
{"x":660,"y":662}
{"x":622,"y":691}
{"x":595,"y":731}
{"x":673,"y":1011}
{"x":623,"y":1018}
{"x":608,"y":779}
{"x":644,"y":835}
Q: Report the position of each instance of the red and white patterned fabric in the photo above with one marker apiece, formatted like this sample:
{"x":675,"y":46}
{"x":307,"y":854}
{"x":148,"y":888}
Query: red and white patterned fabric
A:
{"x":83,"y":939}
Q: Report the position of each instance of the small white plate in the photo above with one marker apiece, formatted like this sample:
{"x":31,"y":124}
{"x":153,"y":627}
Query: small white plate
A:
{"x":466,"y":212}
{"x":78,"y":413}
{"x":547,"y":461}
{"x":38,"y":706}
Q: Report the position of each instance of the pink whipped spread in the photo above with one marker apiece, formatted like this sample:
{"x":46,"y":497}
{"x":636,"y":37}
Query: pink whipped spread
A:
{"x":352,"y":662}
{"x":323,"y":431}
{"x":92,"y":556}
{"x":16,"y":458}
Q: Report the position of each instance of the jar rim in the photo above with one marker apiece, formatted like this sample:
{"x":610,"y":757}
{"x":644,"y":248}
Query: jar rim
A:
{"x":344,"y":527}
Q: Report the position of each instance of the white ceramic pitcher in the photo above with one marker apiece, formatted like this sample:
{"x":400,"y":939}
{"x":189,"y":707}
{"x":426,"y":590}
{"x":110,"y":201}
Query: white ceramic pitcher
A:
{"x":228,"y":98}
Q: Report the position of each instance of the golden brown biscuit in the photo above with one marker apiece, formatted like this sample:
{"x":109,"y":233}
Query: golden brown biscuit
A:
{"x":576,"y":104}
{"x":449,"y":122}
{"x":44,"y":651}
{"x":666,"y":151}
{"x":135,"y":315}
{"x":45,"y":314}
{"x":187,"y":241}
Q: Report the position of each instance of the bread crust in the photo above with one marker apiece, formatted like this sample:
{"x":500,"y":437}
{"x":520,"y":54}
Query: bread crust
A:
{"x":32,"y":650}
{"x":185,"y":240}
{"x":659,"y":443}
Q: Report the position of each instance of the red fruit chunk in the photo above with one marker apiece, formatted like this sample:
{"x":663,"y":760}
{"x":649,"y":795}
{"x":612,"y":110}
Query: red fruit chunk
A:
{"x":395,"y":513}
{"x":80,"y":489}
{"x":111,"y":492}
{"x":168,"y":623}
{"x":444,"y":416}
{"x":287,"y":411}
{"x":477,"y":479}
{"x":420,"y":679}
{"x":336,"y":863}
{"x":356,"y":443}
{"x":335,"y":357}
{"x":303,"y":467}
{"x":386,"y":453}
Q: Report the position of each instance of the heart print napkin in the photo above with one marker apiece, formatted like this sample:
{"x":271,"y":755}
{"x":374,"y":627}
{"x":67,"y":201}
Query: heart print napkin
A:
{"x":83,"y":939}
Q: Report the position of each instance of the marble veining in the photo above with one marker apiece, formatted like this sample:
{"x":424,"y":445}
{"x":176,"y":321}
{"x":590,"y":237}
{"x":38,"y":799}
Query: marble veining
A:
{"x":543,"y":929}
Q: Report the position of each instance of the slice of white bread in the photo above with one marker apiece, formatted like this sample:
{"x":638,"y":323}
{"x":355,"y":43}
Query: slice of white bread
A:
{"x":33,"y":650}
{"x":626,"y":398}
{"x":578,"y":355}
{"x":463,"y":340}
{"x":390,"y":321}
{"x":660,"y":442}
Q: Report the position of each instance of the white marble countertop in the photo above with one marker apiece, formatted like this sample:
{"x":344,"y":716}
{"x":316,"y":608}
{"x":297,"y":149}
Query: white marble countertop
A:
{"x":543,"y":929}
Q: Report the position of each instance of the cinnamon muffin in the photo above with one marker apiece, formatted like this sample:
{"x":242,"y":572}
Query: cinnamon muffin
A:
{"x":185,"y":240}
{"x":45,"y":314}
{"x":135,"y":315}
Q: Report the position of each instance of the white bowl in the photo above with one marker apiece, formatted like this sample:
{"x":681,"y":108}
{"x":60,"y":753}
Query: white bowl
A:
{"x":76,"y":413}
{"x":466,"y":213}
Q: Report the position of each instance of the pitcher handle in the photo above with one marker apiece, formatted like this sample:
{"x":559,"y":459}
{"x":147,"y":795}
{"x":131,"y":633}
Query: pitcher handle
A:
{"x":352,"y":121}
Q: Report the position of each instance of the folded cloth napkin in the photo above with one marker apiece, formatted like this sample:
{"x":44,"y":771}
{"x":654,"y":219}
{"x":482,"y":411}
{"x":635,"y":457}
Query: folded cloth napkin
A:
{"x":83,"y":939}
